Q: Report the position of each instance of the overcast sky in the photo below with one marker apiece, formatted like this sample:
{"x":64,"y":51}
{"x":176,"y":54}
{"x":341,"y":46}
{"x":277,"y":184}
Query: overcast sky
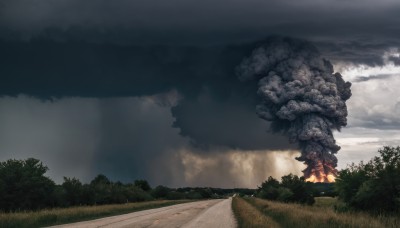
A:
{"x":147,"y":89}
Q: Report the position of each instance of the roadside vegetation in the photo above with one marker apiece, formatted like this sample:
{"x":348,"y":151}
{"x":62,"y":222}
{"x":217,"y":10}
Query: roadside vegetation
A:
{"x":28,"y":198}
{"x":249,"y":216}
{"x":25,"y":187}
{"x":322,"y":214}
{"x":364,"y":195}
{"x":57,"y":216}
{"x":373,"y":186}
{"x":291,"y":189}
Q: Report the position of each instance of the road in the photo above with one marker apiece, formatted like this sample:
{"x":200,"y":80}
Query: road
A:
{"x":208,"y":213}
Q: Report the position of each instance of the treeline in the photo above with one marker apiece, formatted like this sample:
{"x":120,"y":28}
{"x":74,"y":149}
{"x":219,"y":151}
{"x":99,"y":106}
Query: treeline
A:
{"x":24,"y":186}
{"x":373,"y":186}
{"x":291,"y":189}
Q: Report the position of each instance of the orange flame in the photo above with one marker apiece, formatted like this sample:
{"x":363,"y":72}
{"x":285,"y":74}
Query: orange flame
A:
{"x":318,"y":173}
{"x":325,"y":178}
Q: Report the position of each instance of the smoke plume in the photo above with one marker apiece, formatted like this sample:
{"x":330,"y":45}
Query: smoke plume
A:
{"x":302,"y":97}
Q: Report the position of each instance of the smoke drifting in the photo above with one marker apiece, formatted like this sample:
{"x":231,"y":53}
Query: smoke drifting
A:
{"x":302,"y":97}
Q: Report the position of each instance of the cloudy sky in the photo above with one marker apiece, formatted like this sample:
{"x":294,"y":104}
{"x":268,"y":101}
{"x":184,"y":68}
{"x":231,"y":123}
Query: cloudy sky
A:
{"x":147,"y":89}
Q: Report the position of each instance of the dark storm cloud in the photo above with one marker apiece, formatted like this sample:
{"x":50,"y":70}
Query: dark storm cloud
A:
{"x":372,"y":77}
{"x":125,"y":139}
{"x":351,"y":31}
{"x":95,"y":49}
{"x":134,"y":133}
{"x":182,"y":21}
{"x":61,"y":133}
{"x":231,"y":122}
{"x":47,"y":69}
{"x":120,"y":137}
{"x":128,"y":48}
{"x":356,"y":51}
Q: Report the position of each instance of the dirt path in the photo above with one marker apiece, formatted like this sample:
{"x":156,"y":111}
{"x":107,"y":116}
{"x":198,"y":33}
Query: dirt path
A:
{"x":208,"y":213}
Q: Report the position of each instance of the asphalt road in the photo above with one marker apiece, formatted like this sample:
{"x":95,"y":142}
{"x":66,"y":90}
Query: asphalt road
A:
{"x":208,"y":213}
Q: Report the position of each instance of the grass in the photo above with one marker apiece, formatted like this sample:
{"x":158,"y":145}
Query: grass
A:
{"x":321,"y":214}
{"x":248,"y":216}
{"x":75,"y":214}
{"x":324,"y":201}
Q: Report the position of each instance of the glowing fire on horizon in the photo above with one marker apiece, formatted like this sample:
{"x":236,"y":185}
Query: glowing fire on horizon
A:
{"x":321,"y":173}
{"x":321,"y":177}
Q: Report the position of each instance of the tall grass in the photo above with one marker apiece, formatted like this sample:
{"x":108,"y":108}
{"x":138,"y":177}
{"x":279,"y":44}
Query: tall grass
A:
{"x":322,"y":215}
{"x":248,"y":216}
{"x":74,"y":214}
{"x":324,"y":201}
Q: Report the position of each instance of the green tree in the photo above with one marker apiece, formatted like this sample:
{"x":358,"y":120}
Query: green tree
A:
{"x":349,"y":181}
{"x":73,"y":190}
{"x":23,"y":185}
{"x":373,"y":186}
{"x":291,"y":189}
{"x":301,"y":190}
{"x":284,"y":194}
{"x":143,"y":184}
{"x":160,"y":192}
{"x":269,"y":189}
{"x":102,"y":189}
{"x":135,"y":194}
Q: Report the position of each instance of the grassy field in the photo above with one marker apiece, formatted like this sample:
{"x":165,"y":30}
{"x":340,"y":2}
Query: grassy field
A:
{"x":248,"y":216}
{"x":75,"y":214}
{"x":319,"y":215}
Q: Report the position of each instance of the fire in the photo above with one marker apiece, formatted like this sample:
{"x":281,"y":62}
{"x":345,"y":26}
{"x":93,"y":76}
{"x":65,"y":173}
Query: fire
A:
{"x":321,"y":172}
{"x":322,"y":177}
{"x":331,"y":178}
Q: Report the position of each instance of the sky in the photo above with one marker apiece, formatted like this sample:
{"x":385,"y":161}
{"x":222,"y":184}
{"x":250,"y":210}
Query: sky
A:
{"x":147,"y":89}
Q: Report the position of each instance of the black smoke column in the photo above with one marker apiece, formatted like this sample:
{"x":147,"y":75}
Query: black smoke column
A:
{"x":302,"y":97}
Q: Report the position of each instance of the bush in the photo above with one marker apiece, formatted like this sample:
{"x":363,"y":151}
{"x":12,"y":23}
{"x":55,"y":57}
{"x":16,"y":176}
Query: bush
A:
{"x":194,"y":195}
{"x":23,"y":185}
{"x":291,"y":189}
{"x":269,"y":189}
{"x":135,"y":194}
{"x":284,"y":195}
{"x":143,"y":184}
{"x":160,"y":192}
{"x":302,"y":191}
{"x":176,"y":195}
{"x":73,"y":190}
{"x":374,"y":186}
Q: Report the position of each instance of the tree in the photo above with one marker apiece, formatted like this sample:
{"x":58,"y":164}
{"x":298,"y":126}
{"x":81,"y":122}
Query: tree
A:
{"x":143,"y":184}
{"x":160,"y":192}
{"x":269,"y":189}
{"x":135,"y":194}
{"x":301,"y":190}
{"x":73,"y":190}
{"x":291,"y":189}
{"x":23,"y":185}
{"x":374,"y":186}
{"x":101,"y":186}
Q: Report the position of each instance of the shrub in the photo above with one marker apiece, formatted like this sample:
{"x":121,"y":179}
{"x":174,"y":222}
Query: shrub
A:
{"x":23,"y":185}
{"x":160,"y":192}
{"x":374,"y":186}
{"x":290,"y":189}
{"x":143,"y":184}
